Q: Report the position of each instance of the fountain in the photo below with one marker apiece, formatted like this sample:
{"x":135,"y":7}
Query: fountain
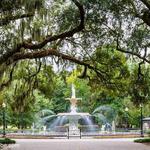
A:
{"x":71,"y":121}
{"x":74,"y":116}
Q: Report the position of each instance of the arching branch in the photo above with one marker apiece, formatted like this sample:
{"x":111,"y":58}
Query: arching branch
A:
{"x":7,"y":20}
{"x":146,"y":3}
{"x":62,"y":35}
{"x":134,"y":54}
{"x":52,"y":52}
{"x":49,"y":38}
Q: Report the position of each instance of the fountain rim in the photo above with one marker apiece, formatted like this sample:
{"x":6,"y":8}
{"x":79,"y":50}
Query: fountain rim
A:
{"x":73,"y":114}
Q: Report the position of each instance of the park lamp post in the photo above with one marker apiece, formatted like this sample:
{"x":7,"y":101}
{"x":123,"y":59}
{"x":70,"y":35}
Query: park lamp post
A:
{"x":4,"y":120}
{"x":126,"y":110}
{"x":141,"y":120}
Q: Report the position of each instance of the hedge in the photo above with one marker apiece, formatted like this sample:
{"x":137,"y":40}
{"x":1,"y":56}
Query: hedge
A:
{"x":145,"y":140}
{"x":7,"y":141}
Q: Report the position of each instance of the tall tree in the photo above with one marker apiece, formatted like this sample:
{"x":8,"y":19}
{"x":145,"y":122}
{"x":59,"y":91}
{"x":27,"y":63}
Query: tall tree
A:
{"x":108,"y":22}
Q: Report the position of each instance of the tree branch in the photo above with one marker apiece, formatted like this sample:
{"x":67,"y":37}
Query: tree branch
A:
{"x":8,"y":19}
{"x":35,"y":73}
{"x":52,"y":52}
{"x":140,"y":74}
{"x":134,"y":8}
{"x":62,"y":35}
{"x":48,"y":39}
{"x":146,"y":3}
{"x":133,"y":53}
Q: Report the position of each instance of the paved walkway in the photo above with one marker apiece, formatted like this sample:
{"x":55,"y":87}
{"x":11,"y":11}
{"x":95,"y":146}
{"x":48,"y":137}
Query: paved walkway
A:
{"x":79,"y":144}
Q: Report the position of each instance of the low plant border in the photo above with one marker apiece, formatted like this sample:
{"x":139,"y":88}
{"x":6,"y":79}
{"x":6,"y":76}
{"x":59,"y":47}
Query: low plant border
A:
{"x":7,"y":141}
{"x":144,"y":140}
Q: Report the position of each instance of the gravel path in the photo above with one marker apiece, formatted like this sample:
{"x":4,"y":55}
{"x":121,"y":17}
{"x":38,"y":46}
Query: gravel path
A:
{"x":79,"y":144}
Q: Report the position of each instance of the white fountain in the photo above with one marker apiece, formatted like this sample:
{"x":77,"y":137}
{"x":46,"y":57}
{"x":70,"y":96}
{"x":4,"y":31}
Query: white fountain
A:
{"x":74,"y":116}
{"x":72,"y":120}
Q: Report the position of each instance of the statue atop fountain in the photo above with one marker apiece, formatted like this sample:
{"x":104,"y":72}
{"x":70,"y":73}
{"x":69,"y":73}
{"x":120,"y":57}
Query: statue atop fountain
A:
{"x":73,"y":100}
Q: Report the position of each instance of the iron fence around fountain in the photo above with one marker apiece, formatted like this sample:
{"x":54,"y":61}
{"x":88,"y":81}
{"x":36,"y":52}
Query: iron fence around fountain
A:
{"x":68,"y":133}
{"x":37,"y":134}
{"x":117,"y":133}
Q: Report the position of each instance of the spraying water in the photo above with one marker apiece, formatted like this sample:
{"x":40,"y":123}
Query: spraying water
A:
{"x":89,"y":123}
{"x":55,"y":122}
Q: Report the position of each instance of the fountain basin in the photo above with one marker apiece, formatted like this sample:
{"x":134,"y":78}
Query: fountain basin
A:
{"x":73,"y":114}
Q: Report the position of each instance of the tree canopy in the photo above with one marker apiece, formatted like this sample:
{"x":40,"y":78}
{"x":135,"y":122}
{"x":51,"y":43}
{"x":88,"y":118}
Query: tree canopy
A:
{"x":35,"y":29}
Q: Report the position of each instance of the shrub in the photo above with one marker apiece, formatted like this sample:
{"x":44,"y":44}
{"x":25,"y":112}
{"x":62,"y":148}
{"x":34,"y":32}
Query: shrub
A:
{"x":148,"y":132}
{"x":7,"y":141}
{"x":145,"y":140}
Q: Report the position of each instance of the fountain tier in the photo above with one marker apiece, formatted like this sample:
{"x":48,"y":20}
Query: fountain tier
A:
{"x":74,"y":114}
